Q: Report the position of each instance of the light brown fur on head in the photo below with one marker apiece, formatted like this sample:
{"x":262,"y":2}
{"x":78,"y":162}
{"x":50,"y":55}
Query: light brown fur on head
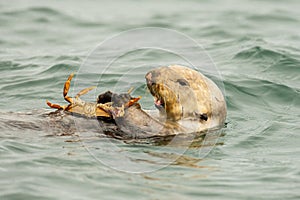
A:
{"x":186,"y":94}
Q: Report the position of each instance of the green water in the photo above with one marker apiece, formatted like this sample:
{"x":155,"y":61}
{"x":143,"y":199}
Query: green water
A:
{"x":255,"y":46}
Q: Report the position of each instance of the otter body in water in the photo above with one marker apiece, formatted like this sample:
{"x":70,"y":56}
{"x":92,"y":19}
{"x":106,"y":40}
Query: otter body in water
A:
{"x":188,"y":102}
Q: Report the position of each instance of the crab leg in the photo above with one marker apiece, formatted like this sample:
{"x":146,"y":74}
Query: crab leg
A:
{"x":132,"y":101}
{"x":66,"y":89}
{"x":65,"y":92}
{"x":84,"y":91}
{"x":56,"y":106}
{"x":130,"y":90}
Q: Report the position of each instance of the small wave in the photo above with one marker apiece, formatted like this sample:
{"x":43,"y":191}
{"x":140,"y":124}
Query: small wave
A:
{"x":258,"y":52}
{"x":44,"y":15}
{"x":8,"y":65}
{"x":61,"y":68}
{"x":32,"y":68}
{"x":285,"y":65}
{"x":29,"y":84}
{"x":274,"y":16}
{"x":37,"y":10}
{"x":46,"y":10}
{"x":259,"y":93}
{"x":277,"y":66}
{"x":215,"y":30}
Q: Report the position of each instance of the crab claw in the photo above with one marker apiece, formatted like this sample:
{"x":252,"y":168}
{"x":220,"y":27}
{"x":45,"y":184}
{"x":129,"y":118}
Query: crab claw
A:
{"x":132,"y":101}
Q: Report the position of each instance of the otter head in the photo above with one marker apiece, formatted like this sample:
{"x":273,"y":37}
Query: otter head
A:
{"x":180,"y":92}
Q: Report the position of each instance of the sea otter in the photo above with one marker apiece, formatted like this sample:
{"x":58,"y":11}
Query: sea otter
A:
{"x":187,"y":102}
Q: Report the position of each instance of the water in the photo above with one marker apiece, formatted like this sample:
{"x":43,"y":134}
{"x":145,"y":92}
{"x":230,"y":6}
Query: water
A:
{"x":254,"y":44}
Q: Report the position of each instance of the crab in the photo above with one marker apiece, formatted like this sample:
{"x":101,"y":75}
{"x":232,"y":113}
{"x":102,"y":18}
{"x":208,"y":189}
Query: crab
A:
{"x":90,"y":109}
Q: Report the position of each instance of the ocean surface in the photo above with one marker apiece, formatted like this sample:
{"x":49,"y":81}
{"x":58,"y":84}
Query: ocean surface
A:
{"x":251,"y":49}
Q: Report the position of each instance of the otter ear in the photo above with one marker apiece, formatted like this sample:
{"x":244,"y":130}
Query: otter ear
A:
{"x":183,"y":82}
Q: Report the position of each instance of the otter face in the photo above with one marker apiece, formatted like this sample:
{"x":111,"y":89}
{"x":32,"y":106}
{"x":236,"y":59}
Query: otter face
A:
{"x":179,"y":92}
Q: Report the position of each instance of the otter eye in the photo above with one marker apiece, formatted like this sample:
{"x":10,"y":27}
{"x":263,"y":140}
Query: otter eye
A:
{"x":183,"y":82}
{"x":203,"y":116}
